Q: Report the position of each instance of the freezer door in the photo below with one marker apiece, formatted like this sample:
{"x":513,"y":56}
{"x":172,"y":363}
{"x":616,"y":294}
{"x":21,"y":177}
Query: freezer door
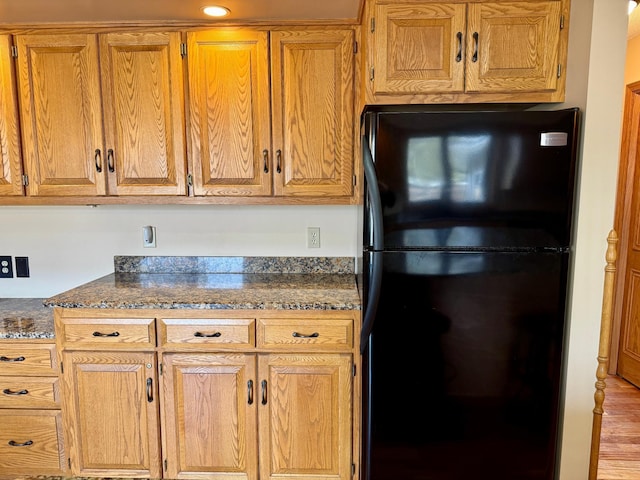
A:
{"x":482,"y":179}
{"x":463,"y":367}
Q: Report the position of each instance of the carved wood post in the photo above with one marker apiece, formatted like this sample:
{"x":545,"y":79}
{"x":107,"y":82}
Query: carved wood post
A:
{"x":603,"y":351}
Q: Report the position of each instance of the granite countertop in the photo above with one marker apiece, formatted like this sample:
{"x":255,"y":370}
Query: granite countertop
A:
{"x":284,"y":283}
{"x":25,"y":318}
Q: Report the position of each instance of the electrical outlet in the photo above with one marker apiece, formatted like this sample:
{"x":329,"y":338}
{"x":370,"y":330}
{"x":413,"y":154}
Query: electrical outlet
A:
{"x":6,"y":270}
{"x":313,"y":237}
{"x":22,"y":266}
{"x":149,"y":237}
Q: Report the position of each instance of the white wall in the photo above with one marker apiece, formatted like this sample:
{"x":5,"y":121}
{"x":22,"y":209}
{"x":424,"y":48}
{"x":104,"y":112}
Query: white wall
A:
{"x":595,"y":79}
{"x":69,"y":245}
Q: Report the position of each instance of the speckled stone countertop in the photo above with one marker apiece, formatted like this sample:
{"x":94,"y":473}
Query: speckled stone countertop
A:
{"x":25,"y":318}
{"x":285,"y":283}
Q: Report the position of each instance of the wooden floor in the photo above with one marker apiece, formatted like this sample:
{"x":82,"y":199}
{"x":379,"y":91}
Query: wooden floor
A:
{"x":620,"y":440}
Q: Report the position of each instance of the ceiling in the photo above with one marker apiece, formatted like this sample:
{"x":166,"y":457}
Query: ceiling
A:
{"x":87,"y":11}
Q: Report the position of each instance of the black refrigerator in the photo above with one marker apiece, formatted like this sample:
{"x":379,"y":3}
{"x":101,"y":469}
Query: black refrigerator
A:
{"x":467,"y":242}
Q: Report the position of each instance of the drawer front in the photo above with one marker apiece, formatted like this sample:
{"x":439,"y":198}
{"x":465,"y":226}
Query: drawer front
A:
{"x":333,"y":334}
{"x":29,"y":392}
{"x":31,"y":442}
{"x":28,"y":359}
{"x":108,"y":332}
{"x":192,"y":333}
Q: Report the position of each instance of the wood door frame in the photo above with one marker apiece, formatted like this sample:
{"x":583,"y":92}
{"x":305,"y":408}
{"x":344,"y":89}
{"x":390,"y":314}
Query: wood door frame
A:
{"x":629,"y":163}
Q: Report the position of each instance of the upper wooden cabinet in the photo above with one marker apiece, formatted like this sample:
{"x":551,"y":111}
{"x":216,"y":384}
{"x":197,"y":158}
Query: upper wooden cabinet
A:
{"x":304,"y":147}
{"x":10,"y":160}
{"x":423,"y":51}
{"x":102,"y":114}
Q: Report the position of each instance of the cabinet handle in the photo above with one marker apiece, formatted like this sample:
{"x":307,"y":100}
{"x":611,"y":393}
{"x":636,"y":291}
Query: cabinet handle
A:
{"x":302,"y":335}
{"x":6,"y":391}
{"x":279,"y":161}
{"x":7,"y":359}
{"x":97,"y":156}
{"x":16,"y":444}
{"x":250,"y":392}
{"x":264,"y":392}
{"x":98,"y":334}
{"x":149,"y":390}
{"x":459,"y":55}
{"x":110,"y":160}
{"x":207,"y":335}
{"x":475,"y":47}
{"x":265,"y":160}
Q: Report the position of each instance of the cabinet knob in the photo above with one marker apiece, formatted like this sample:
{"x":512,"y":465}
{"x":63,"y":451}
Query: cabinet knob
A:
{"x":7,"y":359}
{"x":207,"y":335}
{"x":6,"y":391}
{"x":265,"y":160}
{"x":110,"y":164}
{"x":474,"y":58}
{"x":17,"y":444}
{"x":264,"y":392}
{"x":250,"y":392}
{"x":302,"y":335}
{"x":97,"y":157}
{"x":99,"y":334}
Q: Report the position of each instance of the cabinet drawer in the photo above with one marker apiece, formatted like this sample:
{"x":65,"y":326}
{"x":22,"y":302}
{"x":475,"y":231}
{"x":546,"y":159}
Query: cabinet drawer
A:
{"x":107,"y":333}
{"x":221,"y":332}
{"x":321,"y":334}
{"x":29,"y":392}
{"x":31,"y":442}
{"x":28,"y":359}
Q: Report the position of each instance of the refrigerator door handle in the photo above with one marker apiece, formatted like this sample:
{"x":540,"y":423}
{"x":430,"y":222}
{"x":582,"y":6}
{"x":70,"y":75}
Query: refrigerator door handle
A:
{"x":373,"y":193}
{"x":375,"y":216}
{"x":375,"y":282}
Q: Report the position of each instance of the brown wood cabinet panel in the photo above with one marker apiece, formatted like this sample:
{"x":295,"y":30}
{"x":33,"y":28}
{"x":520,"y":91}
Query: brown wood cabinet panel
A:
{"x":10,"y":155}
{"x":516,"y":44}
{"x":111,"y":411}
{"x":306,"y":334}
{"x":312,"y":106}
{"x":210,"y":422}
{"x":61,"y":114}
{"x":194,"y":333}
{"x":305,"y":427}
{"x":419,"y":47}
{"x":229,"y":112}
{"x":143,"y":99}
{"x":28,"y":359}
{"x":106,"y":333}
{"x":29,"y":392}
{"x":31,"y":442}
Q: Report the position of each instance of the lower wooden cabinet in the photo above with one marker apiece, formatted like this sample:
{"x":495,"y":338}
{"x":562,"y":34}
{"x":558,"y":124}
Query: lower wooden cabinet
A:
{"x":31,"y":427}
{"x":111,"y":411}
{"x":221,"y":396}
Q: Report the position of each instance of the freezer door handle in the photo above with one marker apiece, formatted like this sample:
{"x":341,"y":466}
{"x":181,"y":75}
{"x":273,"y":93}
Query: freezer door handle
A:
{"x":373,"y":193}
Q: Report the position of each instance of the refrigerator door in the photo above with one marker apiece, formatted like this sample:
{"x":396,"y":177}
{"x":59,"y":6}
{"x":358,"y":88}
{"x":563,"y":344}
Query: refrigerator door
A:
{"x":475,"y":179}
{"x":463,"y":366}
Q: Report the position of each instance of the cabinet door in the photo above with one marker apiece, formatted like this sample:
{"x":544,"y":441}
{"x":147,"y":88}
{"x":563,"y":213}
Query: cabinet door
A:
{"x":143,"y":95}
{"x":209,"y":416}
{"x":111,"y":414}
{"x":305,"y":416}
{"x":10,"y":160}
{"x":230,"y":134}
{"x":312,"y":98}
{"x":418,"y":48}
{"x":58,"y":80}
{"x":513,"y":47}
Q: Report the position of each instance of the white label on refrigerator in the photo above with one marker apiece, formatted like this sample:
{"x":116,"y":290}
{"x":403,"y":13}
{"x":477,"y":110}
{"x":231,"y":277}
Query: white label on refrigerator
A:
{"x":553,"y":139}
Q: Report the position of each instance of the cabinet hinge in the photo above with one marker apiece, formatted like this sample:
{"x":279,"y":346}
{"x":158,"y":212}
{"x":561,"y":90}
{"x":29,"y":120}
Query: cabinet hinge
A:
{"x":183,"y":50}
{"x":561,"y":22}
{"x":190,"y":180}
{"x":353,"y":370}
{"x":165,"y":464}
{"x":61,"y":367}
{"x":14,"y":51}
{"x":373,"y":24}
{"x":25,"y":180}
{"x":355,"y":47}
{"x":355,"y":180}
{"x":353,"y":469}
{"x":372,"y":74}
{"x":559,"y":71}
{"x":69,"y":462}
{"x":160,"y":368}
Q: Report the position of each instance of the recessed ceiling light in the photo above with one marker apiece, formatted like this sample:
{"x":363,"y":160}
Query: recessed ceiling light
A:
{"x":216,"y":11}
